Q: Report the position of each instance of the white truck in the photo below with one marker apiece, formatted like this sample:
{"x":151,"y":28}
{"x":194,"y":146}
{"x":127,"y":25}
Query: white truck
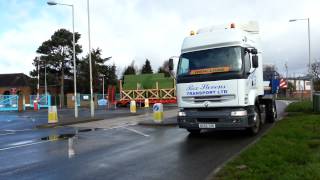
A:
{"x":220,"y":80}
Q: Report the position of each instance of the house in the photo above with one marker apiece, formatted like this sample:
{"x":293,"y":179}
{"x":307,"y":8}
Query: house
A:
{"x":16,"y":83}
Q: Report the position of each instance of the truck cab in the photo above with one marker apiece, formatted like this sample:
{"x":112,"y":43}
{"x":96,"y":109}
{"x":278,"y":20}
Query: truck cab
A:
{"x":220,"y":80}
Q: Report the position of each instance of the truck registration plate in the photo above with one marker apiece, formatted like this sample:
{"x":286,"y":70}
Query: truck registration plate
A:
{"x":207,"y":126}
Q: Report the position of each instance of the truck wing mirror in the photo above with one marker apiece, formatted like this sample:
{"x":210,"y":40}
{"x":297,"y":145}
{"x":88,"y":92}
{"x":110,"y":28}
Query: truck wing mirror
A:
{"x":255,"y":62}
{"x":254,"y":51}
{"x":170,"y":64}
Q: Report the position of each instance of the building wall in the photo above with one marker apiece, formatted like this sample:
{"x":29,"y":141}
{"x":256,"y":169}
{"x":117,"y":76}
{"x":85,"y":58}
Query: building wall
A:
{"x":26,"y":91}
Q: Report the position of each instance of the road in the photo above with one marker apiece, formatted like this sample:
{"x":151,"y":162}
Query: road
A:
{"x":125,"y":152}
{"x":30,"y":119}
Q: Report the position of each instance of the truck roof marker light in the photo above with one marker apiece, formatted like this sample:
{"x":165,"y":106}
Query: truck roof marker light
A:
{"x":232,"y":25}
{"x":192,"y":33}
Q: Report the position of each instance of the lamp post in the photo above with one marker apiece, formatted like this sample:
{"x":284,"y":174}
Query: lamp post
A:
{"x":90,"y":62}
{"x":45,"y":79}
{"x":38,"y":85}
{"x":52,"y":3}
{"x":309,"y":50}
{"x":103,"y":86}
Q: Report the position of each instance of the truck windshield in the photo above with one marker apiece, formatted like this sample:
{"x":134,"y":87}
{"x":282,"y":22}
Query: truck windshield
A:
{"x":219,"y":60}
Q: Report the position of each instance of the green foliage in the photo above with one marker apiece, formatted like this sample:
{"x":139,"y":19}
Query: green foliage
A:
{"x":315,"y":70}
{"x":300,"y":106}
{"x":289,"y":151}
{"x":146,"y":68}
{"x":165,"y":69}
{"x":130,"y":69}
{"x":99,"y":69}
{"x":317,"y":85}
{"x":57,"y":57}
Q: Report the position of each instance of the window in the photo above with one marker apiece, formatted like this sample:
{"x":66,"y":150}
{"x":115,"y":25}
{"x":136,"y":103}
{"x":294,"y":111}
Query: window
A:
{"x":247,"y":62}
{"x":219,"y":60}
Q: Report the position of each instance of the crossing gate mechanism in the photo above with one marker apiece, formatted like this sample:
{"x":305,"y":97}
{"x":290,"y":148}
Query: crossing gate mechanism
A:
{"x":44,"y":101}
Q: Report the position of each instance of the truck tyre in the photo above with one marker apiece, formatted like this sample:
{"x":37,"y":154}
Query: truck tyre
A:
{"x":254,"y":130}
{"x":271,"y":113}
{"x":194,"y":131}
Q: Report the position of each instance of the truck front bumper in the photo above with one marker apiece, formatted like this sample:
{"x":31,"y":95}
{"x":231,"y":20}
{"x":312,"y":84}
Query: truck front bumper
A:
{"x":219,"y":118}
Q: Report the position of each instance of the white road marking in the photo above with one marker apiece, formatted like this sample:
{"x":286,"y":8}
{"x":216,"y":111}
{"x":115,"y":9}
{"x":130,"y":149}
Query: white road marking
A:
{"x":6,"y":134}
{"x":24,"y":145}
{"x":17,"y":130}
{"x":138,"y":132}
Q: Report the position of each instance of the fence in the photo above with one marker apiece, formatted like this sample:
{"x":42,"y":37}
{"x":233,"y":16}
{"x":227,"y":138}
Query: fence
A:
{"x":44,"y":101}
{"x":9,"y":102}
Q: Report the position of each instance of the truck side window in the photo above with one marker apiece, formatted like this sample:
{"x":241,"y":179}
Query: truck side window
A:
{"x":247,"y":62}
{"x":183,"y":66}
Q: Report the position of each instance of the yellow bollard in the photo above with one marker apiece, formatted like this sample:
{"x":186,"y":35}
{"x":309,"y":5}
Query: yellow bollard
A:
{"x":146,"y":103}
{"x":158,"y":113}
{"x":52,"y":114}
{"x":133,"y":107}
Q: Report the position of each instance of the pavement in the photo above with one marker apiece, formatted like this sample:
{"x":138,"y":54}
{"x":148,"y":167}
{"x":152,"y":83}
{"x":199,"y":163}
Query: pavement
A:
{"x":120,"y":149}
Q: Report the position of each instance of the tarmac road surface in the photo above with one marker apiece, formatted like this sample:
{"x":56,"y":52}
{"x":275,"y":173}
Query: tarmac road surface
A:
{"x":123,"y":152}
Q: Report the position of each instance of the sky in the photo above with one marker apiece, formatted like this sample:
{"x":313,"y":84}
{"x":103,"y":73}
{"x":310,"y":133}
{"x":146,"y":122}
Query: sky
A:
{"x":135,"y":30}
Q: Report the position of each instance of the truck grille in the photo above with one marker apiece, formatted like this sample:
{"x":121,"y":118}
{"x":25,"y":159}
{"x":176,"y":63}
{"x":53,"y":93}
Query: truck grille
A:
{"x":202,"y":99}
{"x":208,"y":120}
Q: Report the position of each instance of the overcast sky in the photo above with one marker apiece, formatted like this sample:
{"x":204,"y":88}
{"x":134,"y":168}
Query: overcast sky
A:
{"x":137,"y":29}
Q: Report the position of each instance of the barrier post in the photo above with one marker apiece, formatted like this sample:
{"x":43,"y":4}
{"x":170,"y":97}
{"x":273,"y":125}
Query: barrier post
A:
{"x":158,"y":113}
{"x":146,"y":103}
{"x":35,"y":105}
{"x":52,"y":114}
{"x":133,"y":106}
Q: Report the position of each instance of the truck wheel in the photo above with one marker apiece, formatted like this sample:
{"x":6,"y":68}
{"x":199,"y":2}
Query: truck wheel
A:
{"x":254,"y":130}
{"x":271,"y":112}
{"x":194,"y":131}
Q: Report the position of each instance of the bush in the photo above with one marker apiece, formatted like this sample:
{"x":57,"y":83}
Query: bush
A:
{"x":301,"y":106}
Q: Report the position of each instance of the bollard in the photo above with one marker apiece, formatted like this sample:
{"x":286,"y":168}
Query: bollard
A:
{"x":35,"y":105}
{"x":133,"y":107}
{"x":158,"y":113}
{"x":146,"y":103}
{"x":52,"y":114}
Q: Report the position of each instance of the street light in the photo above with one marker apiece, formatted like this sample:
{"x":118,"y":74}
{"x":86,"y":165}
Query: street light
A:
{"x":309,"y":48}
{"x":103,"y":86}
{"x":38,"y":86}
{"x":52,"y":3}
{"x":90,"y":64}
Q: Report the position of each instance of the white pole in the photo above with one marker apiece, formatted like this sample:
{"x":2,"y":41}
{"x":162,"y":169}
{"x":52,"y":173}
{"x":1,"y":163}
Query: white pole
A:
{"x":309,"y":43}
{"x":103,"y":87}
{"x":309,"y":46}
{"x":45,"y":79}
{"x":38,"y":86}
{"x":74,"y":68}
{"x":90,"y":64}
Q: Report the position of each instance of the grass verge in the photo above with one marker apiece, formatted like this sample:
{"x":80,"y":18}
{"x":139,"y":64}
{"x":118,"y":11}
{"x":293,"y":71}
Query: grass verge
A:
{"x":291,"y":150}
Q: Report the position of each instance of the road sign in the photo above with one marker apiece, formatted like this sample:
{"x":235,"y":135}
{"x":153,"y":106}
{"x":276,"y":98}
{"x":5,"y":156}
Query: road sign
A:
{"x":133,"y":107}
{"x":158,"y":112}
{"x":283,"y":84}
{"x":52,"y":114}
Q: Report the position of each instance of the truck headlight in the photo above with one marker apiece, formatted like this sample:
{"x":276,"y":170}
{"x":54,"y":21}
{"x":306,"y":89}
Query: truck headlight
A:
{"x":181,"y":113}
{"x":239,"y":113}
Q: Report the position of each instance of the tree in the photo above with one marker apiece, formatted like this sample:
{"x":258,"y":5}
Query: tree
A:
{"x":58,"y":57}
{"x":146,"y":68}
{"x":99,"y":69}
{"x":315,"y":70}
{"x":130,"y":69}
{"x":165,"y":69}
